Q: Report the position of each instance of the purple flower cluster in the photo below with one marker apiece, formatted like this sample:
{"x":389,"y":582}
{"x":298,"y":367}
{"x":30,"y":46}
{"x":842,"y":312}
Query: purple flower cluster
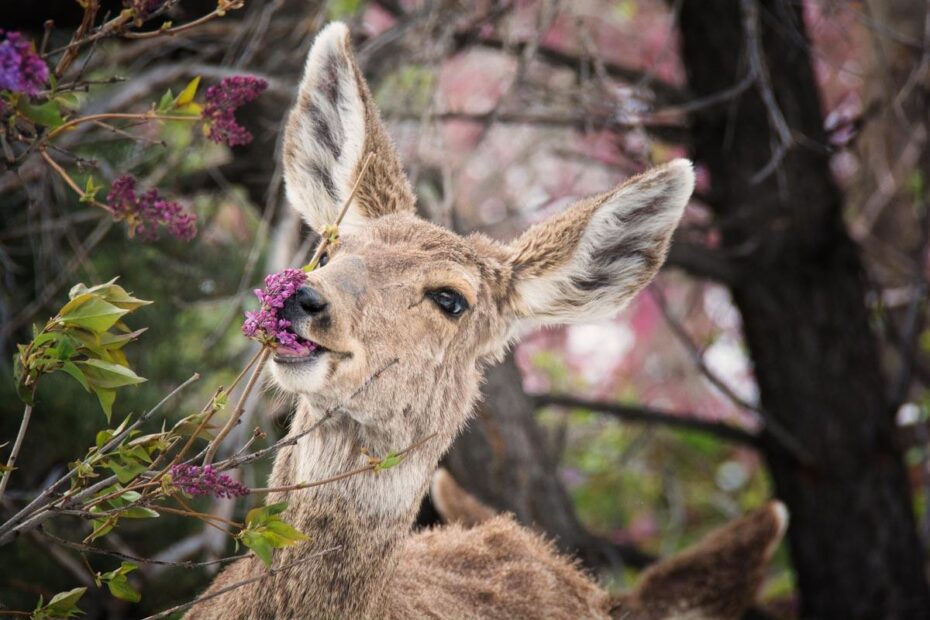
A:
{"x":146,"y":211}
{"x":265,"y":325}
{"x":220,"y":104}
{"x":199,"y":481}
{"x":143,"y":8}
{"x":21,"y":69}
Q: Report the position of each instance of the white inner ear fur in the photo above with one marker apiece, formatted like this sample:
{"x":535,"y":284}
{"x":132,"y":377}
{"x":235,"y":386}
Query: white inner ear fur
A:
{"x":325,"y":133}
{"x":623,"y":245}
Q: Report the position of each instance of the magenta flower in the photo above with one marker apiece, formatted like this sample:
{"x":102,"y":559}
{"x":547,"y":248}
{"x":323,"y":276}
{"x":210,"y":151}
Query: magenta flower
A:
{"x":21,"y":69}
{"x":220,"y":104}
{"x":145,"y":212}
{"x":266,"y":325}
{"x":143,"y":8}
{"x":199,"y":481}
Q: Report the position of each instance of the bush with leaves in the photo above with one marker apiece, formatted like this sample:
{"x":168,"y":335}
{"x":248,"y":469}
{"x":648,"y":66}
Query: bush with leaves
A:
{"x":133,"y":472}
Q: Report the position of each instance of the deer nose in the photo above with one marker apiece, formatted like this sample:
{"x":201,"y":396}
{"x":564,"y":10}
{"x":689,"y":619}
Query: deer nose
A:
{"x":306,"y":301}
{"x":310,"y":300}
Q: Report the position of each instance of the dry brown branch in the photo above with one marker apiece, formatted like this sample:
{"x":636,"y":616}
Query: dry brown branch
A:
{"x":271,"y":572}
{"x":649,"y":416}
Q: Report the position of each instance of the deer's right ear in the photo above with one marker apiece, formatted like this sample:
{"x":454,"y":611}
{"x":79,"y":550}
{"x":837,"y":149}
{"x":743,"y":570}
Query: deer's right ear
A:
{"x":330,"y":131}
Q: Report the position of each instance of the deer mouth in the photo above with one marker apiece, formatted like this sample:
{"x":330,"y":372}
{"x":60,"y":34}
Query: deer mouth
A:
{"x":299,"y":351}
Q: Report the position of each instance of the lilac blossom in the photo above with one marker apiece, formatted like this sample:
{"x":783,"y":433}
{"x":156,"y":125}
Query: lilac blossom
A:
{"x":145,"y":212}
{"x":220,"y":104}
{"x":21,"y":69}
{"x":266,"y":325}
{"x":199,"y":481}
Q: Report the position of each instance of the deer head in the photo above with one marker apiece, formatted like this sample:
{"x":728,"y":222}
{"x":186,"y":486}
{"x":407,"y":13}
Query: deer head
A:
{"x":398,"y":287}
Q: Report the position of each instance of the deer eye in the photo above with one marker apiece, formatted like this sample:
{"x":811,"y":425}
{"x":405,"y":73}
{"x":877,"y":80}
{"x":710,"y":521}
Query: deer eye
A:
{"x":323,"y":259}
{"x":449,"y":301}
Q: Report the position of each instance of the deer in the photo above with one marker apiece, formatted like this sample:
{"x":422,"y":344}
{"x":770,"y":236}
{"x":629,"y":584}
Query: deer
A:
{"x":427,"y":311}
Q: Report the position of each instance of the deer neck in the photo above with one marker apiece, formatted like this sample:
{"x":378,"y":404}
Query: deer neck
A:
{"x":363,"y":519}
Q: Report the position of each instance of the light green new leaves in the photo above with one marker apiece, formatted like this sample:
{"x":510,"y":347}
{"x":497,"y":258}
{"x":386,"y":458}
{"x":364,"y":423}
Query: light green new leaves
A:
{"x":184,"y":103}
{"x":118,"y":583}
{"x":392,"y":459}
{"x":90,"y":312}
{"x":62,"y":605}
{"x":265,"y":531}
{"x":78,"y":341}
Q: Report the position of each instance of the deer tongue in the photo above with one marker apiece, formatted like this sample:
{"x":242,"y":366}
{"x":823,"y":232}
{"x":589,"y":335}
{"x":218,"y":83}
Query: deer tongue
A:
{"x":300,"y":348}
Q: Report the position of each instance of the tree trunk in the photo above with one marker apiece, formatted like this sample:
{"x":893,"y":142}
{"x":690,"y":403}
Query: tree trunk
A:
{"x":802,"y":299}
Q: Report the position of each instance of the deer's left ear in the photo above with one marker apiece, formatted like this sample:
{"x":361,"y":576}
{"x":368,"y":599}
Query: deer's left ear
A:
{"x":588,"y":262}
{"x":330,"y":131}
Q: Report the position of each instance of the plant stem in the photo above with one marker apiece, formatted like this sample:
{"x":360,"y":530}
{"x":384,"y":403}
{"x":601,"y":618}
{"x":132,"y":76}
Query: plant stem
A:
{"x":27,"y":413}
{"x":32,"y":515}
{"x":67,"y":179}
{"x":324,"y":239}
{"x":146,"y":116}
{"x":354,"y":472}
{"x":240,"y":407}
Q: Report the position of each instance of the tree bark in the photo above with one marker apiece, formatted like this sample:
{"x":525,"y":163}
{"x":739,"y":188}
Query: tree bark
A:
{"x":802,"y":298}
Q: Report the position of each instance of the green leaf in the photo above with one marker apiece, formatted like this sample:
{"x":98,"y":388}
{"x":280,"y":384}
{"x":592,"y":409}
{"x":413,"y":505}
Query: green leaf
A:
{"x":118,"y":583}
{"x":166,"y":102}
{"x":91,"y":312}
{"x":62,"y":605}
{"x":259,"y":544}
{"x":91,"y":190}
{"x":70,"y":368}
{"x":190,"y":91}
{"x":106,"y":397}
{"x":286,"y":531}
{"x":118,"y":341}
{"x":139,"y":512}
{"x":120,"y":588}
{"x":102,"y":527}
{"x":126,"y":469}
{"x":47,"y":337}
{"x":46,"y":114}
{"x":262,"y":514}
{"x":108,"y":375}
{"x":389,"y":461}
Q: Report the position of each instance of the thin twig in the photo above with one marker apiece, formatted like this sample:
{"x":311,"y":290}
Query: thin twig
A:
{"x":144,"y":116}
{"x":773,"y":428}
{"x":354,"y":472}
{"x":271,"y":572}
{"x":650,"y":416}
{"x":11,"y":462}
{"x":758,"y":68}
{"x":54,"y":165}
{"x":291,"y":440}
{"x":10,"y":528}
{"x":326,"y":238}
{"x":240,"y":407}
{"x":132,"y":558}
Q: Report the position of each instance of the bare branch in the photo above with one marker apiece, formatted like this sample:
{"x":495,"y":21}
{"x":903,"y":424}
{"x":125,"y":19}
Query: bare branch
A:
{"x":649,"y":416}
{"x":760,"y":73}
{"x":235,"y":586}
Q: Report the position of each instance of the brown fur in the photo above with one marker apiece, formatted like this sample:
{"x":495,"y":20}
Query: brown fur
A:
{"x":380,"y":320}
{"x":716,"y":579}
{"x":454,"y":504}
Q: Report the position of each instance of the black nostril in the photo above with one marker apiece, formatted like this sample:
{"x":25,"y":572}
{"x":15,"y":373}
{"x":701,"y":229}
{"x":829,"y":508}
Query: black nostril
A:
{"x":310,"y":300}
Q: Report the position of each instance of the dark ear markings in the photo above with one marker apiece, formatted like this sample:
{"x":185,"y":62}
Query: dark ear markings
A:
{"x":330,"y":82}
{"x":325,"y":178}
{"x":592,"y":281}
{"x":646,"y":212}
{"x":626,"y":247}
{"x":329,"y":135}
